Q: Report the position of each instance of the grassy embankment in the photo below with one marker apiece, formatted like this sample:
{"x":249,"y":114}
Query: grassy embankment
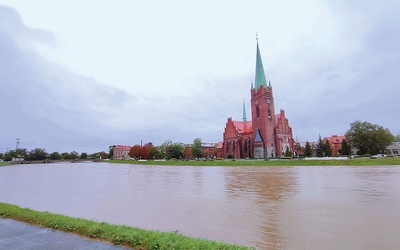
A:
{"x":2,"y":164}
{"x":261,"y":163}
{"x":117,"y":235}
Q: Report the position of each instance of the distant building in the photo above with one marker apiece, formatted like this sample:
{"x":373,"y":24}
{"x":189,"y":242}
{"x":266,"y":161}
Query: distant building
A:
{"x":336,"y":143}
{"x":209,"y":150}
{"x":393,"y":149}
{"x":121,"y":152}
{"x":267,"y":134}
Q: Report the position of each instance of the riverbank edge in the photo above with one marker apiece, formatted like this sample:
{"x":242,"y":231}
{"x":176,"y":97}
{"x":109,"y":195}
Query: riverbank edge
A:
{"x":114,"y":234}
{"x":389,"y":161}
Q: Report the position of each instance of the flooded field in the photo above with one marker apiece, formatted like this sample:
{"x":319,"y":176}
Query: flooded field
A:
{"x":262,"y":207}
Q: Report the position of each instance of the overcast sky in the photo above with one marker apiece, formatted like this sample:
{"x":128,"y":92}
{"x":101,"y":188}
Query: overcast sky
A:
{"x":83,"y":75}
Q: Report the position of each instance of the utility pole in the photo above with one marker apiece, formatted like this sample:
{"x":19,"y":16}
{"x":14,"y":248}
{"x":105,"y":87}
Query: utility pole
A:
{"x":17,"y":143}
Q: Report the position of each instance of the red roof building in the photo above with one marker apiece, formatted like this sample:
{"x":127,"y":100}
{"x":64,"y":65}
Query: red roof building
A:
{"x":336,"y":143}
{"x":121,"y":152}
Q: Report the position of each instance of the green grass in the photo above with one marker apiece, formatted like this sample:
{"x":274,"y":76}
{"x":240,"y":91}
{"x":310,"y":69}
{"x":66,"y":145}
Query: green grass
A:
{"x":255,"y":163}
{"x":117,"y":235}
{"x":2,"y":164}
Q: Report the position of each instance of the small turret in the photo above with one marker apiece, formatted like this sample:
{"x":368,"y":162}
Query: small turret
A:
{"x":244,"y":112}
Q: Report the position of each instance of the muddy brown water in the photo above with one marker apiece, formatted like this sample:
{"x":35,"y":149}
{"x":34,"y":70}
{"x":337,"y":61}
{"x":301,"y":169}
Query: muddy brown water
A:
{"x":262,"y":207}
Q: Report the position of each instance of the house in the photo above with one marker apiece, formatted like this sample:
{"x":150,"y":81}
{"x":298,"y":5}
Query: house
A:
{"x":209,"y":150}
{"x":336,"y":143}
{"x":393,"y":149}
{"x":121,"y":152}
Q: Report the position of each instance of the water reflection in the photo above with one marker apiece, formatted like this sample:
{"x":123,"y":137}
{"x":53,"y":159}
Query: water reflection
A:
{"x":265,"y":190}
{"x":269,"y":208}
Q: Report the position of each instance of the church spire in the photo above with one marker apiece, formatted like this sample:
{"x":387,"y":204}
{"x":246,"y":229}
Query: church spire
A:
{"x":260,"y":75}
{"x":244,"y":113}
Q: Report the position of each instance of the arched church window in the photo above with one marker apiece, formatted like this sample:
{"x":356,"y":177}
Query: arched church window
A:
{"x":258,"y":112}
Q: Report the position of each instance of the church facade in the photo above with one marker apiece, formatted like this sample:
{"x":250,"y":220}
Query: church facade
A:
{"x":267,"y":134}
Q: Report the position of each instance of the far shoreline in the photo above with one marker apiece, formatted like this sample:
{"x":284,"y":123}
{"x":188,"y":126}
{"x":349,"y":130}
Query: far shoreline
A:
{"x":389,"y":161}
{"x":366,"y":161}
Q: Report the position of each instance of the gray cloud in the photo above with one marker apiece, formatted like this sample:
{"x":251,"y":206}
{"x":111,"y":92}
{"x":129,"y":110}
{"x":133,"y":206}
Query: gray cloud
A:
{"x":331,"y":92}
{"x":49,"y":106}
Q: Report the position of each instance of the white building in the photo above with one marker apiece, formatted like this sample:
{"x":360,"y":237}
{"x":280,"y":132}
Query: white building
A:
{"x":394,"y":149}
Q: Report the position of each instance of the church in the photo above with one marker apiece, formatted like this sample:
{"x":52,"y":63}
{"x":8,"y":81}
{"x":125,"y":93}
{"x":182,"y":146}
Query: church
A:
{"x":267,"y":135}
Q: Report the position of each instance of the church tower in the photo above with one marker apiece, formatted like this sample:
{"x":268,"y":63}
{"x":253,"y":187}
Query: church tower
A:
{"x":263,"y":113}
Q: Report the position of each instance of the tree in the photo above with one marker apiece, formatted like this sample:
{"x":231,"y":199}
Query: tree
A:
{"x":288,"y":152}
{"x":55,"y":156}
{"x":320,"y":148}
{"x":197,"y":148}
{"x":83,"y":156}
{"x":152,"y":152}
{"x":18,"y":153}
{"x":397,"y":138}
{"x":37,"y":154}
{"x":111,"y":151}
{"x":65,"y":156}
{"x":149,"y":151}
{"x":8,"y":156}
{"x":163,"y":148}
{"x":327,"y":149}
{"x":308,"y":152}
{"x":146,"y":149}
{"x":176,"y":151}
{"x":345,"y":150}
{"x":98,"y":155}
{"x":103,"y":155}
{"x":161,"y":152}
{"x":73,"y":155}
{"x":135,"y":152}
{"x":21,"y":153}
{"x":368,"y":138}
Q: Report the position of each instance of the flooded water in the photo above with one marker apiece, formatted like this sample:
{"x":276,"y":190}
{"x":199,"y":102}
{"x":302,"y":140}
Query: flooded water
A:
{"x":266,"y":208}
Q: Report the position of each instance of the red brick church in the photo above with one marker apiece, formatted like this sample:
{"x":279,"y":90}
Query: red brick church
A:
{"x":267,"y":134}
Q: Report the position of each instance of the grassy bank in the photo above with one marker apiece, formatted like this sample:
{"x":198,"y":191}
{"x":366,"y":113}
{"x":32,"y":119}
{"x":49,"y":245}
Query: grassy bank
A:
{"x":350,"y":162}
{"x":117,"y":235}
{"x":2,"y":164}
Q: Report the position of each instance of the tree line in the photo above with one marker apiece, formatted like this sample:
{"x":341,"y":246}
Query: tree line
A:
{"x":364,"y":137}
{"x":39,"y":154}
{"x":167,"y":150}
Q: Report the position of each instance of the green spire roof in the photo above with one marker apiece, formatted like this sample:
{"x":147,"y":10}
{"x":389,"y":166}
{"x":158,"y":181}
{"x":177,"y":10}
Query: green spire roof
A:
{"x":244,"y":113}
{"x":260,"y":75}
